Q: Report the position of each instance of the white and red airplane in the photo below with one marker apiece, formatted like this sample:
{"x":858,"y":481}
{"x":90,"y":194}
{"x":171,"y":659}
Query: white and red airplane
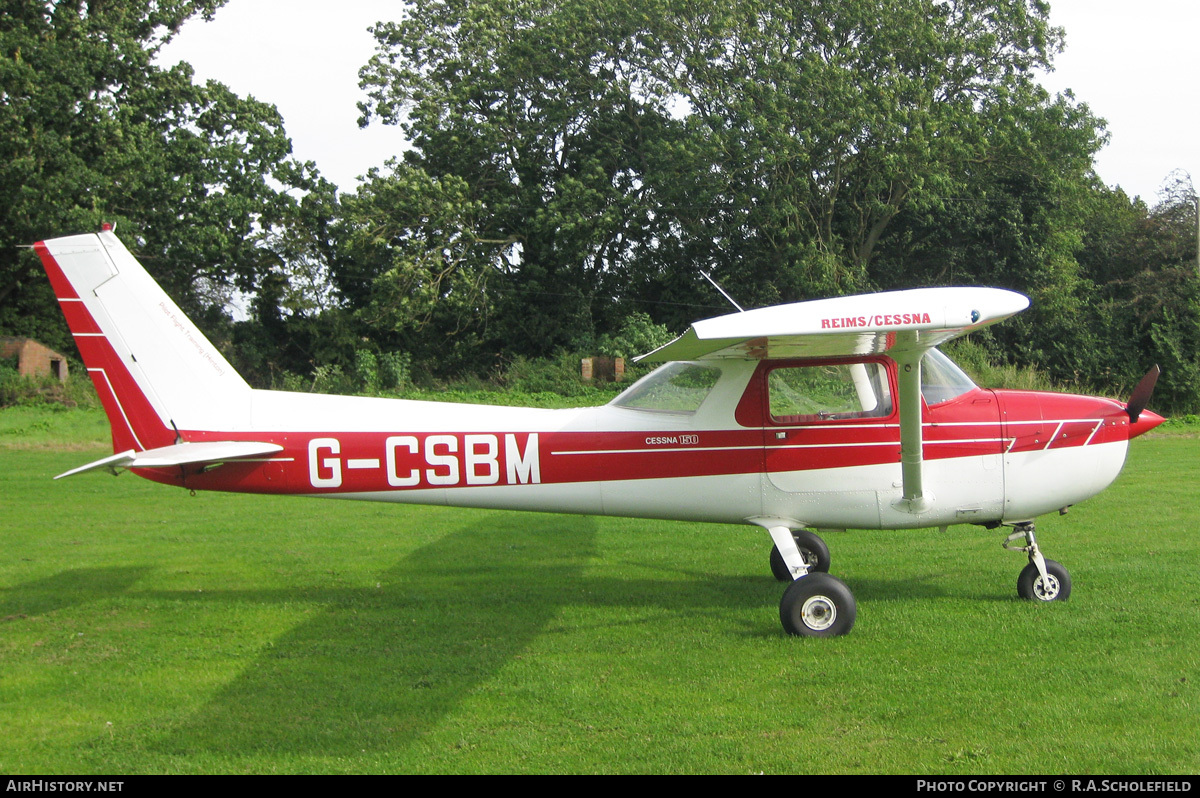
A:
{"x":830,"y":414}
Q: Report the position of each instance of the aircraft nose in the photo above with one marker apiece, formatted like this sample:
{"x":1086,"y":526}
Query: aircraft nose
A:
{"x":1147,"y":420}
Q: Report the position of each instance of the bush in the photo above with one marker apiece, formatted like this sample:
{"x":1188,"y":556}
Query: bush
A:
{"x":18,"y":390}
{"x":11,"y":382}
{"x":558,"y":375}
{"x":980,"y":363}
{"x":395,"y":369}
{"x":366,"y":371}
{"x":288,"y":381}
{"x":637,"y":335}
{"x":331,"y":379}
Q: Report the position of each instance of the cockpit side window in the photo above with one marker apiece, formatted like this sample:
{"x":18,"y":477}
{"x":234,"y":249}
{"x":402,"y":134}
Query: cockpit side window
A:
{"x":828,"y":392}
{"x":941,"y":379}
{"x":674,"y":388}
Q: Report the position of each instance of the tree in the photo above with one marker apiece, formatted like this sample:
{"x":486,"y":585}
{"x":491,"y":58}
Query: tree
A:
{"x":625,"y":146}
{"x":824,"y":120}
{"x":1146,"y":296}
{"x":1176,"y":216}
{"x":415,"y":267}
{"x":1016,"y":218}
{"x":532,"y":106}
{"x":91,"y":130}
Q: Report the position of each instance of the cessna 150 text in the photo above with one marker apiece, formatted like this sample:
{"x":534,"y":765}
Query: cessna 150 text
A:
{"x":835,"y":414}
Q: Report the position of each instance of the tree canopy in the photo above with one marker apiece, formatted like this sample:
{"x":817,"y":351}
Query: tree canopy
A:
{"x":92,"y":131}
{"x":615,"y":150}
{"x":576,"y":165}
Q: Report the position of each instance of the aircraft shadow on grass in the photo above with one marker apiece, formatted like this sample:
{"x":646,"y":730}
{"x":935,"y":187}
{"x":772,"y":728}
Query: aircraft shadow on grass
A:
{"x":66,"y":589}
{"x":371,"y":670}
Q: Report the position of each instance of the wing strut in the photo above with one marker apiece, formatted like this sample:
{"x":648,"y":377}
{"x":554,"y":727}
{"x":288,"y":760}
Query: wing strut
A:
{"x":914,"y":499}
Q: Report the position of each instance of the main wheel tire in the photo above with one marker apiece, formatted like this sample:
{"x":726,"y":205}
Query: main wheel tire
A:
{"x":817,"y":605}
{"x":1056,"y":587}
{"x":812,"y":549}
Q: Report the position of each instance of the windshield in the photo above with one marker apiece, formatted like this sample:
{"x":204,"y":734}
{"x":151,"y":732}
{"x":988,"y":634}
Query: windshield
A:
{"x":941,"y":379}
{"x":674,"y":388}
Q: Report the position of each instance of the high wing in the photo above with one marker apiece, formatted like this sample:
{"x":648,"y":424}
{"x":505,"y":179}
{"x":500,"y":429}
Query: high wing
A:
{"x":893,"y":322}
{"x":901,"y":324}
{"x":183,"y":453}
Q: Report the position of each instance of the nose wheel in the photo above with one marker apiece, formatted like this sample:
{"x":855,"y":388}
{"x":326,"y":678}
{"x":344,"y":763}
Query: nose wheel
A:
{"x":1041,"y":579}
{"x":1055,"y":585}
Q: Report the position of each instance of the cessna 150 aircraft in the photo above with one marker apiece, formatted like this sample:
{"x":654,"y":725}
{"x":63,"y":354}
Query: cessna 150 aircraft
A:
{"x":834,"y":414}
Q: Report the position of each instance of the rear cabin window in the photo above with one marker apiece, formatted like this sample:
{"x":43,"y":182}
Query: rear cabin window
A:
{"x":674,"y":388}
{"x":828,"y":392}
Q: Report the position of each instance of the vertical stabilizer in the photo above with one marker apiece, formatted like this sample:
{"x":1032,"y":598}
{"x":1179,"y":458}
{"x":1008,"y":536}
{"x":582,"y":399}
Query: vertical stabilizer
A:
{"x":153,"y":369}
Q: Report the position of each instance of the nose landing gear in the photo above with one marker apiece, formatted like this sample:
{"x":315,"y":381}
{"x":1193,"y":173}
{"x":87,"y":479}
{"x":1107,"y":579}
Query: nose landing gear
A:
{"x":1041,"y":579}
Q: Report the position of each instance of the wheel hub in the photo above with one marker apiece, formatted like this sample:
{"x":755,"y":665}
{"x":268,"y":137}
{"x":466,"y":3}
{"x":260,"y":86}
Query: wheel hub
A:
{"x":818,"y":613}
{"x":1046,"y":589}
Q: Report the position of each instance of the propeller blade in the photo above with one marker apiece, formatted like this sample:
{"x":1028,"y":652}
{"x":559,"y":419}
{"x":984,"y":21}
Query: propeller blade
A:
{"x":1141,"y":394}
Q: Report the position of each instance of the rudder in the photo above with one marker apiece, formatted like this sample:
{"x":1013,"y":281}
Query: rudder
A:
{"x":155,"y":372}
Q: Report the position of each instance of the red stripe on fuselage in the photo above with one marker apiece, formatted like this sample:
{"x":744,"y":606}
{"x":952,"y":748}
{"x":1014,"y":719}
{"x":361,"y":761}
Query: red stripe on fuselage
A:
{"x":357,"y":462}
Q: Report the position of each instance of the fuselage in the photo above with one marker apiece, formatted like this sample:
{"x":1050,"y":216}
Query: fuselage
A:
{"x":717,"y":452}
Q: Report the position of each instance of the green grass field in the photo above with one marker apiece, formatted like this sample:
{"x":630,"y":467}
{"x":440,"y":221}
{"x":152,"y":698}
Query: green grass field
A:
{"x":144,"y":630}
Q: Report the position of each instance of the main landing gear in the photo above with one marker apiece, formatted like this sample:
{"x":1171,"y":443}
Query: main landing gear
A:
{"x":1041,"y":579}
{"x":815,"y":604}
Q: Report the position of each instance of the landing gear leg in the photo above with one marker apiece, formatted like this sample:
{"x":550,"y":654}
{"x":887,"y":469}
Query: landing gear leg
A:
{"x":815,"y":604}
{"x":1041,"y":579}
{"x":813,"y":552}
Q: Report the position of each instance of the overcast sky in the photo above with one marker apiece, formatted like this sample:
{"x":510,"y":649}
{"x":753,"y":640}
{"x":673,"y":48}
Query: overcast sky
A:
{"x":1134,"y":64}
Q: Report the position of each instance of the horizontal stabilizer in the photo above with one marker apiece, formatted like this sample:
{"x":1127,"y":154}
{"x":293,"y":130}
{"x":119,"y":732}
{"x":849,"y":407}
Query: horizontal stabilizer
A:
{"x":180,"y":454}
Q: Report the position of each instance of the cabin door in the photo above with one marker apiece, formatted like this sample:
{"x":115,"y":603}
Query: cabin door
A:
{"x":830,"y":437}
